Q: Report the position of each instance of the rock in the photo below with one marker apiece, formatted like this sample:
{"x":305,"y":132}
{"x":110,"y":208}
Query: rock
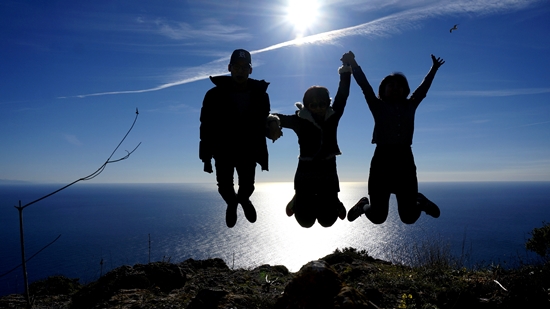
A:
{"x":318,"y":286}
{"x":314,"y":286}
{"x":203,"y":264}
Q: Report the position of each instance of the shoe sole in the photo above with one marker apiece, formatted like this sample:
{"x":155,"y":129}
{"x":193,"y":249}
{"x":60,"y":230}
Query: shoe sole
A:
{"x":289,"y":206}
{"x":428,"y":204}
{"x":360,"y":204}
{"x":250,"y":212}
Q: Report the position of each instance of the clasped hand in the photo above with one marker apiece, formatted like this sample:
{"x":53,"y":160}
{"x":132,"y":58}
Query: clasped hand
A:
{"x":274,"y":131}
{"x":208,"y":167}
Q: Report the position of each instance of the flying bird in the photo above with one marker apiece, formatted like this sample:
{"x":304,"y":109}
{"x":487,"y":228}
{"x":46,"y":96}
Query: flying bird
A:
{"x":453,"y":28}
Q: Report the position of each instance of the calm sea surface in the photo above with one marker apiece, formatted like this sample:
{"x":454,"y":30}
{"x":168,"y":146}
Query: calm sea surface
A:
{"x":103,"y":226}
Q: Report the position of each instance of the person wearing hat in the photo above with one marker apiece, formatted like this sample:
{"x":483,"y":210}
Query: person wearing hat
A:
{"x":234,"y":126}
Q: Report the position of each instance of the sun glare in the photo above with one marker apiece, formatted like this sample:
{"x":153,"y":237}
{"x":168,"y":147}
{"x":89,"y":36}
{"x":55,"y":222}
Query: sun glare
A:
{"x":302,"y":14}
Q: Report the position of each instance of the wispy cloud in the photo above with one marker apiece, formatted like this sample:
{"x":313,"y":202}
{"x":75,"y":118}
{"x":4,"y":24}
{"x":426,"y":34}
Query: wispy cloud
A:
{"x":72,"y":139}
{"x":499,"y":92}
{"x":532,"y":124}
{"x":188,"y":75}
{"x":391,"y":24}
{"x":209,"y":29}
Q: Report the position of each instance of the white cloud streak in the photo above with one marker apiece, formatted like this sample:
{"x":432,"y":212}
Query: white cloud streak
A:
{"x":532,"y":124}
{"x":211,"y":30}
{"x":498,"y":93}
{"x":72,"y":139}
{"x":384,"y":26}
{"x":188,"y":75}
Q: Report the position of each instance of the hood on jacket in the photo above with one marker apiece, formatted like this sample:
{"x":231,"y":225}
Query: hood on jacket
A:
{"x":227,"y":81}
{"x":304,"y":113}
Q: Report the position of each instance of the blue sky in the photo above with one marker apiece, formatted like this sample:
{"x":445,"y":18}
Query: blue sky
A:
{"x":73,"y":73}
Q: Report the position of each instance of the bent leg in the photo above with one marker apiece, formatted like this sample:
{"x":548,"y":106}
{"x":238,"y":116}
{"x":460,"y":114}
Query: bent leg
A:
{"x":379,"y":189}
{"x":328,"y":209}
{"x":304,"y":209}
{"x":406,"y":190}
{"x":408,"y":209}
{"x":377,"y":213}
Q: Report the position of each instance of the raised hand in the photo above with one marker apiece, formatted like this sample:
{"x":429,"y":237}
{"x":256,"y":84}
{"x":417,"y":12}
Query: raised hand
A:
{"x":349,"y":59}
{"x":208,"y":167}
{"x":437,"y":62}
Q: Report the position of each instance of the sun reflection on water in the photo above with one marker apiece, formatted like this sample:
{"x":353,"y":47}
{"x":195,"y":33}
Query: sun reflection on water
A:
{"x":277,"y":239}
{"x":174,"y":222}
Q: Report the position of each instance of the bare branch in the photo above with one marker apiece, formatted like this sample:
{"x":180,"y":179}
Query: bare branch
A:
{"x":98,"y":171}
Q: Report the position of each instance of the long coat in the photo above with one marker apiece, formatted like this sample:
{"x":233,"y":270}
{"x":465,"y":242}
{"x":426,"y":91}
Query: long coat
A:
{"x":233,"y":127}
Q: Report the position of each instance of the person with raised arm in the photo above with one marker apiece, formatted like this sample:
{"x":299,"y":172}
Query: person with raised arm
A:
{"x":392,"y":168}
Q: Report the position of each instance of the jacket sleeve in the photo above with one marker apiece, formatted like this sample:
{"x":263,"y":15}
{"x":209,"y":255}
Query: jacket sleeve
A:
{"x":287,"y":121}
{"x":363,"y":83}
{"x":420,"y":93}
{"x":266,"y":113}
{"x":342,"y":94}
{"x":207,"y":129}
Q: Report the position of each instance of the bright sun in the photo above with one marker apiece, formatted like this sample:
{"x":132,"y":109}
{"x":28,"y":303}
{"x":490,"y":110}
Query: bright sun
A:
{"x":302,"y":14}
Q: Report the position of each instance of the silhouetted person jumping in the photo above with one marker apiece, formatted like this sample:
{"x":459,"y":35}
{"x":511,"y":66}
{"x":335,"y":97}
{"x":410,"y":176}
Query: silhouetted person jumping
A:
{"x":392,"y":167}
{"x":316,"y":181}
{"x":234,"y":126}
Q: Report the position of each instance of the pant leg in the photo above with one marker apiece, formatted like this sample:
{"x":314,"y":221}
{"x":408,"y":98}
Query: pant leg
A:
{"x":317,"y":176}
{"x":379,"y":186}
{"x":246,"y":171}
{"x":304,"y":208}
{"x":327,"y":208}
{"x":379,"y":206}
{"x":406,"y":189}
{"x":224,"y":176}
{"x":407,"y":207}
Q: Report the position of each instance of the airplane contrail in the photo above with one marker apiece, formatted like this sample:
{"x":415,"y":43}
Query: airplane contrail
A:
{"x":384,"y":26}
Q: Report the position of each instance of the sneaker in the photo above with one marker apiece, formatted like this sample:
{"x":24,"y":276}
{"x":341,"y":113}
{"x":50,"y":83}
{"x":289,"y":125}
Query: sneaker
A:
{"x":231,"y":215}
{"x":249,"y":211}
{"x":427,"y":206}
{"x":357,"y":210}
{"x":341,"y":211}
{"x":290,"y":206}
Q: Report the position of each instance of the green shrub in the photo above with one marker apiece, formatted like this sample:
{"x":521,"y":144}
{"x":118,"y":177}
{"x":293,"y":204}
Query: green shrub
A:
{"x":540,"y":241}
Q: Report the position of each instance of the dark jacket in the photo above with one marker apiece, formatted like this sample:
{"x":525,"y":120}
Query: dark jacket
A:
{"x":233,"y":122}
{"x":318,"y":141}
{"x":393,"y":121}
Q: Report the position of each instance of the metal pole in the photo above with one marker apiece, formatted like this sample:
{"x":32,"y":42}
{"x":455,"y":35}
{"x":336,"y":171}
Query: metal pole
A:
{"x":23,"y":259}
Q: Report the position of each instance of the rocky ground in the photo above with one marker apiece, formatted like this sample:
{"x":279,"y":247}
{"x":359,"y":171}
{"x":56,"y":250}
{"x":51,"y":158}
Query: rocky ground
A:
{"x":344,"y":279}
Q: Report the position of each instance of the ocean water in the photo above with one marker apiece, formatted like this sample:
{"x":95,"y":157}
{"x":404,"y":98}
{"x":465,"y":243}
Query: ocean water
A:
{"x":103,"y":226}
